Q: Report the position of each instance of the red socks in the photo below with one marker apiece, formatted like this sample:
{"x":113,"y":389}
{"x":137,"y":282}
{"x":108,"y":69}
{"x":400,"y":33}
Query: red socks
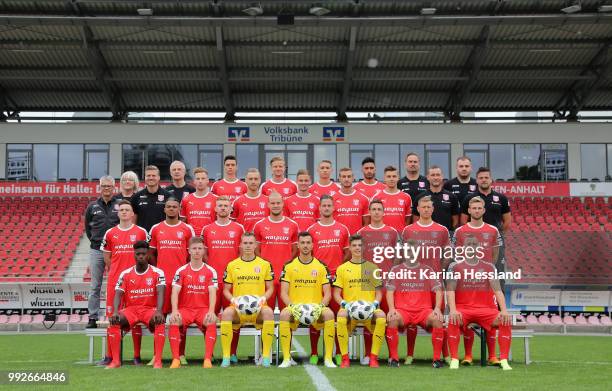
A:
{"x":137,"y":340}
{"x":453,"y":340}
{"x":235,"y":339}
{"x":367,"y":342}
{"x":158,"y":342}
{"x":437,"y":340}
{"x":314,"y":340}
{"x":491,"y":343}
{"x":392,"y":342}
{"x":210,"y":337}
{"x":183,"y":341}
{"x":114,"y":336}
{"x":505,"y":339}
{"x":411,"y":334}
{"x":468,"y":341}
{"x":175,"y":341}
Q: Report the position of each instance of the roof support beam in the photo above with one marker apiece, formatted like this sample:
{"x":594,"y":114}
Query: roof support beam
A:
{"x":471,"y":70}
{"x":7,"y":105}
{"x":576,"y":96}
{"x":223,"y":75}
{"x":348,"y":74}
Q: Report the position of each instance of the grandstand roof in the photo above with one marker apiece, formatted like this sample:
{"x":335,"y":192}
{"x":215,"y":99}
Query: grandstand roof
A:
{"x":472,"y":55}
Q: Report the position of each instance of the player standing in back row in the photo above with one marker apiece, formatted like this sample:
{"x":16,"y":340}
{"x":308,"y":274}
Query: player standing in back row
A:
{"x":350,"y":206}
{"x":413,"y":183}
{"x":302,"y":207}
{"x":369,"y":186}
{"x":325,"y":185}
{"x":278,"y":183}
{"x":252,"y":206}
{"x":230,"y":185}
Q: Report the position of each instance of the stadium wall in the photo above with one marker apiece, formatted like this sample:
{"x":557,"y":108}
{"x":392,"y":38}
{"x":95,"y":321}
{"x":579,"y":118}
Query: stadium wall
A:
{"x":572,"y":134}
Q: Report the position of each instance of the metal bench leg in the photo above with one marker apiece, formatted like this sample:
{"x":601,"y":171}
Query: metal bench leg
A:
{"x":257,"y":347}
{"x":91,"y":350}
{"x":527,"y":352}
{"x":103,"y":346}
{"x":483,"y":347}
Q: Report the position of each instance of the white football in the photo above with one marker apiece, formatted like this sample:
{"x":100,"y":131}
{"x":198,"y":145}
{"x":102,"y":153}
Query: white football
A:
{"x":247,"y":304}
{"x":307,"y":314}
{"x":361,"y":310}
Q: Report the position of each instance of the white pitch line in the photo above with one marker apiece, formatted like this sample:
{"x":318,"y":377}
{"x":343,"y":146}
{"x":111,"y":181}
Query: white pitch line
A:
{"x":320,"y":381}
{"x":577,"y":362}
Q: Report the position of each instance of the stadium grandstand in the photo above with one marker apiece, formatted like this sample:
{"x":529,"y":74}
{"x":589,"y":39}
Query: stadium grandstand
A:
{"x":92,"y":89}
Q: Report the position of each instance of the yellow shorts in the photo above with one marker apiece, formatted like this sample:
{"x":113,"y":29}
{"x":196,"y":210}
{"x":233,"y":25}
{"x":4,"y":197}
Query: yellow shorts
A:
{"x":248,"y":320}
{"x":368,"y":324}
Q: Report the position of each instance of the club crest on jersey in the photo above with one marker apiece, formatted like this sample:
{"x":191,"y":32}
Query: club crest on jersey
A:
{"x":160,"y":197}
{"x":356,"y":202}
{"x":116,"y":207}
{"x":133,"y":238}
{"x":232,"y":234}
{"x":286,"y":191}
{"x":257,"y":269}
{"x":421,"y":184}
{"x":485,"y":236}
{"x":237,"y":189}
{"x":496,"y":198}
{"x":472,"y":187}
{"x":149,"y":281}
{"x":336,"y":232}
{"x":179,"y":234}
{"x":386,"y":236}
{"x":201,"y":278}
{"x":401,"y":202}
{"x":434,"y":235}
{"x":314,"y":273}
{"x":207,"y":205}
{"x":185,"y":194}
{"x":285,"y":230}
{"x":311,"y":205}
{"x":262,"y":205}
{"x":445,"y":197}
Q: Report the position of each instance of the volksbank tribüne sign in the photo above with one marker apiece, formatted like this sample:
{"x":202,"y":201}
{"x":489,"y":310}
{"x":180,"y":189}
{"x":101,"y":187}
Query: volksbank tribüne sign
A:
{"x":287,"y":134}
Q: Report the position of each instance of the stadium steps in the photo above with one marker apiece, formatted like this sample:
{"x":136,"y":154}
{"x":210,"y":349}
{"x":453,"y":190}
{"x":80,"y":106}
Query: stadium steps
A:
{"x":80,"y":262}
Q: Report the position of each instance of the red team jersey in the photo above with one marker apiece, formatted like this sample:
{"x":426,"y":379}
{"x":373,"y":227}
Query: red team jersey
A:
{"x":249,"y":210}
{"x":472,"y":292}
{"x":487,"y":235}
{"x":275,"y":240}
{"x":232,"y":190}
{"x":194,"y":286}
{"x":120,"y":243}
{"x":385,"y":236}
{"x":369,"y":190}
{"x":303,"y":210}
{"x":397,"y":207}
{"x":286,"y":188}
{"x":198,"y":211}
{"x":432,"y":235}
{"x":349,"y":210}
{"x":140,"y":290}
{"x":413,"y":293}
{"x":222,"y":243}
{"x":329,"y":242}
{"x":318,"y":189}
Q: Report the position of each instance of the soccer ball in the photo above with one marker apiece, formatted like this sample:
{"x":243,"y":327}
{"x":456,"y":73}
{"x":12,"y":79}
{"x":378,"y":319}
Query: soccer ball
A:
{"x":361,"y":310}
{"x":248,"y":304}
{"x":308,"y":314}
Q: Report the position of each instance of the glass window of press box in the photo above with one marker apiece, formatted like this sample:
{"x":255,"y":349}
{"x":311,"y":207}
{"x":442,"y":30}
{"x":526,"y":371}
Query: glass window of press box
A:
{"x":395,"y":154}
{"x":546,"y":162}
{"x":50,"y":162}
{"x":596,"y":161}
{"x":297,"y":156}
{"x":137,"y":156}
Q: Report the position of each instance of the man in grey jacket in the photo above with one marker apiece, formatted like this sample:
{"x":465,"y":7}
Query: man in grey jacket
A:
{"x":100,"y":216}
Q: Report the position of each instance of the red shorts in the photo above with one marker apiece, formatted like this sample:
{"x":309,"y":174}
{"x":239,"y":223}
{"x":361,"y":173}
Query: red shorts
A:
{"x":481,"y":316}
{"x":193,"y":315}
{"x":138,"y":314}
{"x":418,"y":317}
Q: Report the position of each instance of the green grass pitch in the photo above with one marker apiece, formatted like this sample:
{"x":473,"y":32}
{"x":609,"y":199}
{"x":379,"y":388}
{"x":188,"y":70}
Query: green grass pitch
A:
{"x":560,"y":363}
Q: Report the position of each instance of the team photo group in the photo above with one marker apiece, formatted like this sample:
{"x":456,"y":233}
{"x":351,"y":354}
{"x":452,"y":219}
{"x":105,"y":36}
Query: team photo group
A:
{"x":279,"y":254}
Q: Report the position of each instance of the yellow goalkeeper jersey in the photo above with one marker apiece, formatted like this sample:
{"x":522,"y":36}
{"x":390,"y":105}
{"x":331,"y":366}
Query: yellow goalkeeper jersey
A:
{"x":357,"y":281}
{"x":248,"y":277}
{"x":305,"y":280}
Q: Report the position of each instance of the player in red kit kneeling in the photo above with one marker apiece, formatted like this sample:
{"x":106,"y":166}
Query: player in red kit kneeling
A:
{"x":141,"y":287}
{"x":194,"y":291}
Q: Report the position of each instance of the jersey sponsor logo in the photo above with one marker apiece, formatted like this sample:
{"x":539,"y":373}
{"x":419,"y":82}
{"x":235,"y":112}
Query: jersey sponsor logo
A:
{"x":495,"y":198}
{"x":238,"y":133}
{"x":261,"y":205}
{"x":160,"y":197}
{"x":333,"y":133}
{"x":149,"y":281}
{"x":133,"y":238}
